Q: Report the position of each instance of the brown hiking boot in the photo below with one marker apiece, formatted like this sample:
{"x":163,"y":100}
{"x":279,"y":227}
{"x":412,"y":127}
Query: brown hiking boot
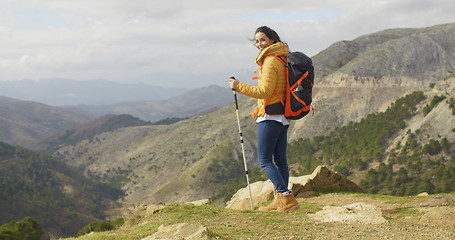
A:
{"x":287,"y":203}
{"x":272,"y":206}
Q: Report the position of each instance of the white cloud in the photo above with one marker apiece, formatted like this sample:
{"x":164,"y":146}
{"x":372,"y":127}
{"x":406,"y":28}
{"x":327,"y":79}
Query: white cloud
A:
{"x":199,"y":42}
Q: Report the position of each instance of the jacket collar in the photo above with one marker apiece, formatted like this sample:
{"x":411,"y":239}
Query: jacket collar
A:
{"x":277,"y":49}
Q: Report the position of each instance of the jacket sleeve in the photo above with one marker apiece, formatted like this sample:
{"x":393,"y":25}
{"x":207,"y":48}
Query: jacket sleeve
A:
{"x":266,"y":83}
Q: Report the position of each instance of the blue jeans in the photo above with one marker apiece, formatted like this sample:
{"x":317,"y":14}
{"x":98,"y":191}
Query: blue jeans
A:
{"x":272,"y":142}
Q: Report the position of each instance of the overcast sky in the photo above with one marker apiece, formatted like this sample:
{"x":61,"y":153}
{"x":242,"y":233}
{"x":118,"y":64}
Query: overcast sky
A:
{"x":187,"y":43}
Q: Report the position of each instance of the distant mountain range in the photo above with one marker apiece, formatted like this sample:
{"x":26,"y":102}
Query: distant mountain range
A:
{"x":192,"y":102}
{"x":66,"y":92}
{"x":26,"y":123}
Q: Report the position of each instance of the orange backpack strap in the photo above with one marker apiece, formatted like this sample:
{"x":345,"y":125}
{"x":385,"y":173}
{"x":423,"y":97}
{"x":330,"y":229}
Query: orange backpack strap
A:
{"x":276,"y":94}
{"x":284,"y":61}
{"x":260,"y":111}
{"x":255,"y":72}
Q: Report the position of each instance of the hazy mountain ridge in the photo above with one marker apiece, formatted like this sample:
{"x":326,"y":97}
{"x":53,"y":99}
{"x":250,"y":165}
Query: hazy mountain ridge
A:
{"x":27,"y":123}
{"x":24,"y":122}
{"x":187,"y":104}
{"x":67,"y":92}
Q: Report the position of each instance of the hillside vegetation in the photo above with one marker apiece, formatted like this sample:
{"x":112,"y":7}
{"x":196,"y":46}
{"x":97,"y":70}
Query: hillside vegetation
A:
{"x":423,"y":166}
{"x":36,"y":185}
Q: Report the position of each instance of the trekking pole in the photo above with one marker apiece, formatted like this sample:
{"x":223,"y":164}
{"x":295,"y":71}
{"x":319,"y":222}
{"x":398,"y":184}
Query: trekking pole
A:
{"x":241,"y":143}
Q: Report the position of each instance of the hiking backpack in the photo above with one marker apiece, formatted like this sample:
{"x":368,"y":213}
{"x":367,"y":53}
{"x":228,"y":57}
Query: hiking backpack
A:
{"x":299,"y":89}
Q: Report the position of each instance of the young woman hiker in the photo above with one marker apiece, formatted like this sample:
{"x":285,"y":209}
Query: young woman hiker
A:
{"x":272,"y":125}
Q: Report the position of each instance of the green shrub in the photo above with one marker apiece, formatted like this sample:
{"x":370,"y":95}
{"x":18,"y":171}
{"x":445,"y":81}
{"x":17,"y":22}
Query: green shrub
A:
{"x":452,"y":105}
{"x":432,"y":148}
{"x":28,"y":228}
{"x":434,"y":102}
{"x":101,"y":226}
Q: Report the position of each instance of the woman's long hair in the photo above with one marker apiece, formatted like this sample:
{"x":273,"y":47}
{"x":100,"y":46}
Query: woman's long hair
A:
{"x":270,"y":33}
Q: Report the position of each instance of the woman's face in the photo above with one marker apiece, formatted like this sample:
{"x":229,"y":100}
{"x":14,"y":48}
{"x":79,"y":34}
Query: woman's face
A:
{"x":262,"y":41}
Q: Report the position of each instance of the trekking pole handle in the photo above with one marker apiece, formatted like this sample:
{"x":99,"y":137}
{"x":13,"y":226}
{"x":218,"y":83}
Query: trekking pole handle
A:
{"x":234,"y":79}
{"x":235,"y":95}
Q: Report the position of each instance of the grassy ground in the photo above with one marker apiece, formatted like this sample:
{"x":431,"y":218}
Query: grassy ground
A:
{"x":403,"y":215}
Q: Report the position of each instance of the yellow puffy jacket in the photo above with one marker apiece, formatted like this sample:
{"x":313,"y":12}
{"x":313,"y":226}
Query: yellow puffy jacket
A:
{"x":272,"y":78}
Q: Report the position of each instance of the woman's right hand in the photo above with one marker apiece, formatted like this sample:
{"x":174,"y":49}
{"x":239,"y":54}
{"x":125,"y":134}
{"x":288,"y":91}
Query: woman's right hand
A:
{"x":233,"y":83}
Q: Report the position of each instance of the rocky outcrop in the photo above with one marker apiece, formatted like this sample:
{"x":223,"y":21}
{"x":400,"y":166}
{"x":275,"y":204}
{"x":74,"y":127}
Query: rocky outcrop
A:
{"x":322,"y":179}
{"x":352,"y":213}
{"x":261,"y":192}
{"x":200,"y":202}
{"x":187,"y":231}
